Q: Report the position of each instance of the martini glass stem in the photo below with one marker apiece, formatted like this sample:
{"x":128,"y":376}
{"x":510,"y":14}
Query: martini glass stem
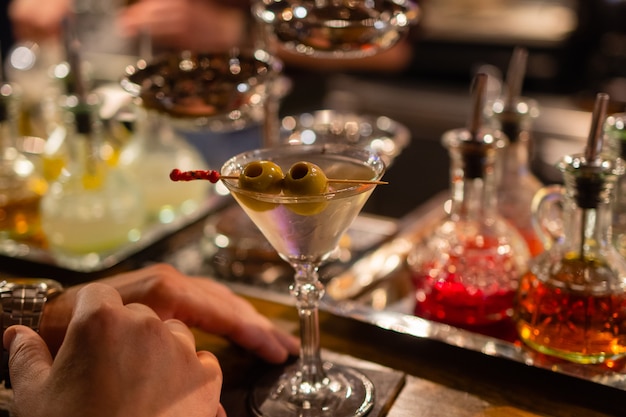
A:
{"x":308,"y":292}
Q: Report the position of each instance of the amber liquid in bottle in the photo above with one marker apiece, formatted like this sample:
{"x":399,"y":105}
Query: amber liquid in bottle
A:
{"x":21,"y":186}
{"x":564,"y":317}
{"x":19,"y":218}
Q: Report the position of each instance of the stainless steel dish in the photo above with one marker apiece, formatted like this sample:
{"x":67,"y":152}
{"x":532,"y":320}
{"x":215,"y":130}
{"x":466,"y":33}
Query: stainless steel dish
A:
{"x":218,"y":91}
{"x":337,"y":29}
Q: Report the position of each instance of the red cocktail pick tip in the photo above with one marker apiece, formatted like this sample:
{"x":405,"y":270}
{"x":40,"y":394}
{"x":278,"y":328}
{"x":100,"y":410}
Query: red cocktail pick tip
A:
{"x":198,"y":174}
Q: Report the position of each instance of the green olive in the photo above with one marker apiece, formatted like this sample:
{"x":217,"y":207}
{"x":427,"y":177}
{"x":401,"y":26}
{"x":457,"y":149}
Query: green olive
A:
{"x":260,"y":177}
{"x":306,"y":179}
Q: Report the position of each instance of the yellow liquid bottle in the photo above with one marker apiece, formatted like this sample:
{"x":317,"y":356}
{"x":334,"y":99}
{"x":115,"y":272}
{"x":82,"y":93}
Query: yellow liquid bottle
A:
{"x":21,"y":186}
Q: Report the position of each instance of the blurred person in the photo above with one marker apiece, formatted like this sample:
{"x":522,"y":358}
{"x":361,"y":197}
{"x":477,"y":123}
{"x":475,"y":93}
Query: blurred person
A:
{"x":34,"y":20}
{"x":116,"y":360}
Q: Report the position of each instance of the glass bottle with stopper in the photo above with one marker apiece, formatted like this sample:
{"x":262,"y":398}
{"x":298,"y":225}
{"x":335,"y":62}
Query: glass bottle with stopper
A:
{"x":513,"y":114}
{"x":92,"y":209}
{"x":572,"y":301}
{"x":55,"y":155}
{"x":21,"y":185}
{"x":466,"y":272}
{"x":154,"y":144}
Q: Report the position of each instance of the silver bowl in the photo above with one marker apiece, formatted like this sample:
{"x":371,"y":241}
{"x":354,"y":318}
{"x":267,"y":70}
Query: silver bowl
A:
{"x":337,"y":29}
{"x":219,"y":91}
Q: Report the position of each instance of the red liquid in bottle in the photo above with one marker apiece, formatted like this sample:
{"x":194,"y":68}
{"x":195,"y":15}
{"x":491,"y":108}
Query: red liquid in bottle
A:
{"x":476,"y":289}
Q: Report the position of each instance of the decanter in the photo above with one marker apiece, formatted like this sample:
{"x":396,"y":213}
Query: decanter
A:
{"x":572,"y":301}
{"x":152,"y":151}
{"x":513,"y":114}
{"x":467,"y":270}
{"x":91,"y":210}
{"x":21,"y":185}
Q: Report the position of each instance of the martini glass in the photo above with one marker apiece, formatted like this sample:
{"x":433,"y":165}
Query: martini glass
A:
{"x":305,"y":230}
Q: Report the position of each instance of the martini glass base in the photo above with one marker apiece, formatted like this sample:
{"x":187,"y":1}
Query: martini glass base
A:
{"x":344,"y":392}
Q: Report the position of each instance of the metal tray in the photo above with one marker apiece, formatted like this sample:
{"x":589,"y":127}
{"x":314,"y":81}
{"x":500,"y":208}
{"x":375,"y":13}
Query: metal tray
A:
{"x":377,"y":290}
{"x":151,"y":234}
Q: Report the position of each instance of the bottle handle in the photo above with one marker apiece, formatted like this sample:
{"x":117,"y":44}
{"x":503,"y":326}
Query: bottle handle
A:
{"x":547,"y":214}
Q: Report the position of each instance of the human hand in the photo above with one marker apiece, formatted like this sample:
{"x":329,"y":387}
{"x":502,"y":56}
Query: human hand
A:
{"x":34,"y":20}
{"x":199,"y":302}
{"x":197,"y":25}
{"x":116,"y":360}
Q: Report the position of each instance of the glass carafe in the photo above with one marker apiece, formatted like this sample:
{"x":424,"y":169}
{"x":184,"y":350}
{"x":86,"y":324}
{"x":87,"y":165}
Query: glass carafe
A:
{"x":152,"y":151}
{"x":517,"y":184}
{"x":572,"y":302}
{"x":466,"y":272}
{"x":91,"y":209}
{"x":21,"y":185}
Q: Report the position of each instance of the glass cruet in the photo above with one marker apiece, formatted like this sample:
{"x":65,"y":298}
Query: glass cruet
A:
{"x":466,"y":272}
{"x":92,"y":209}
{"x":21,"y":185}
{"x":514,"y":114}
{"x":154,"y":144}
{"x":572,"y":302}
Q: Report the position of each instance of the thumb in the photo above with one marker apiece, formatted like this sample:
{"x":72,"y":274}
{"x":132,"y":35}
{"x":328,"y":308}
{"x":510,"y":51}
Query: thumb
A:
{"x":29,"y":357}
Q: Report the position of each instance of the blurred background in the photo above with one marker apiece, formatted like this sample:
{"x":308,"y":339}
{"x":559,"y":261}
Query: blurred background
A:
{"x":576,"y":48}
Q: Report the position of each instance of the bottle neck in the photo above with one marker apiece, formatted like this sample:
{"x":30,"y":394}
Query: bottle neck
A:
{"x":516,"y":156}
{"x":589,"y":230}
{"x":84,"y":142}
{"x":473,"y":187}
{"x":588,"y":218}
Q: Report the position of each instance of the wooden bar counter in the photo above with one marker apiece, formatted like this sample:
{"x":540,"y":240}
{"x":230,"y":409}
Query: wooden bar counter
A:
{"x":440,"y":380}
{"x":436,"y":379}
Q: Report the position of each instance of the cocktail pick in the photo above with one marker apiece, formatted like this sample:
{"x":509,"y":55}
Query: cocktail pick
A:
{"x":214,"y":176}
